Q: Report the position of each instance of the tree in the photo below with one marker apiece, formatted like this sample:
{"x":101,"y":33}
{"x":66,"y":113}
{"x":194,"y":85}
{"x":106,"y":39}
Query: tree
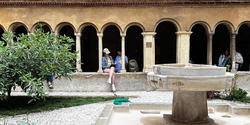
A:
{"x":30,"y":60}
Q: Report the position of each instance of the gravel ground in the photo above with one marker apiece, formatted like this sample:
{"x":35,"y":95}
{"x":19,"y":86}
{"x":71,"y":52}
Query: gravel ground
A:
{"x":87,"y":114}
{"x":79,"y":115}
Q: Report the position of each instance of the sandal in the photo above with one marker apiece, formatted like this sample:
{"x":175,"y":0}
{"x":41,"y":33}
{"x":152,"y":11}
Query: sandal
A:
{"x":50,"y":85}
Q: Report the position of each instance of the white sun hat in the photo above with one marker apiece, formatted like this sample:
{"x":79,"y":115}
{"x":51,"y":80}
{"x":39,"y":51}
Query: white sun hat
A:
{"x":106,"y":51}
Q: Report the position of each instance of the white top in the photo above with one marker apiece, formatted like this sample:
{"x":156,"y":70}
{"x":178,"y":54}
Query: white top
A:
{"x":238,"y":58}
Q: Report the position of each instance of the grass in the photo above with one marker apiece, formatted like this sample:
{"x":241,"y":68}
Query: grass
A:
{"x":19,"y":105}
{"x":245,"y":100}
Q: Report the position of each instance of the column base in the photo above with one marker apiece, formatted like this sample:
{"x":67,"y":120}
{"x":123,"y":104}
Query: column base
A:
{"x":79,"y":71}
{"x":100,"y":71}
{"x":123,"y":71}
{"x":233,"y":70}
{"x":190,"y":107}
{"x":169,"y":121}
{"x":147,"y":70}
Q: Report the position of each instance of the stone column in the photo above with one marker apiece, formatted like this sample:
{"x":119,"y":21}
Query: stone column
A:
{"x":148,"y":51}
{"x":56,"y":34}
{"x":123,"y":70}
{"x":233,"y":50}
{"x":183,"y":47}
{"x":100,"y":35}
{"x":210,"y":48}
{"x":78,"y":49}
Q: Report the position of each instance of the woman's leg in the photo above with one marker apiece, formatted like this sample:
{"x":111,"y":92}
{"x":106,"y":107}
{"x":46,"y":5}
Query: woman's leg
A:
{"x":112,"y":74}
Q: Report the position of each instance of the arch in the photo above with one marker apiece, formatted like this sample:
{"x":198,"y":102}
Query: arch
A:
{"x":109,"y":24}
{"x":112,"y":39}
{"x":228,"y":24}
{"x":33,"y":28}
{"x":165,"y":42}
{"x":177,"y":25}
{"x":134,"y":24}
{"x":62,"y":24}
{"x":2,"y":31}
{"x":89,"y":49}
{"x":82,"y":26}
{"x":221,"y":41}
{"x":1,"y":26}
{"x":245,"y":22}
{"x":198,"y":44}
{"x":203,"y":23}
{"x":243,"y":45}
{"x":14,"y":25}
{"x":134,"y":45}
{"x":68,"y":30}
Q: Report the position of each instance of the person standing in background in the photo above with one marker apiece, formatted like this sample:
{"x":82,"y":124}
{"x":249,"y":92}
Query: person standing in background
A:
{"x":238,"y":61}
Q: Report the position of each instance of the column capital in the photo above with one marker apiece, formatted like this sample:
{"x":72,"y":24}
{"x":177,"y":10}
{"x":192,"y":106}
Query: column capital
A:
{"x":211,"y":33}
{"x":78,"y":34}
{"x":234,"y":34}
{"x":183,"y":33}
{"x":123,"y":34}
{"x":148,"y":33}
{"x":100,"y":34}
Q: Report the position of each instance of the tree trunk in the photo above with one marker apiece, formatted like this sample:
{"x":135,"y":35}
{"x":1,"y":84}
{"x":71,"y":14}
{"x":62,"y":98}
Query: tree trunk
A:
{"x":9,"y":91}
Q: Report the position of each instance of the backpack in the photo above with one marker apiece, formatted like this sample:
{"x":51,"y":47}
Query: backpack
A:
{"x":133,"y":65}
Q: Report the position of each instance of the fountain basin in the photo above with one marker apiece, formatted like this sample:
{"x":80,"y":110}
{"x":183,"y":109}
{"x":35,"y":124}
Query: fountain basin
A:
{"x":191,"y":77}
{"x":188,"y":70}
{"x":189,"y":83}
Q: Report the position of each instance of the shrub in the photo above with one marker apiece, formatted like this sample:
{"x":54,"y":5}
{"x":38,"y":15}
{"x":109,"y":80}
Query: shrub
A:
{"x":236,"y":93}
{"x":31,"y":59}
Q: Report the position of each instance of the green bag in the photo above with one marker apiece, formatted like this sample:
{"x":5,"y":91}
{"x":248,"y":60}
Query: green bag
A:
{"x":119,"y":101}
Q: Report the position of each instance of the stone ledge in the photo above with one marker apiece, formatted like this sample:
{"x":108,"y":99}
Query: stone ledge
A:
{"x":105,"y":115}
{"x":124,"y":107}
{"x":97,"y":82}
{"x":220,"y":107}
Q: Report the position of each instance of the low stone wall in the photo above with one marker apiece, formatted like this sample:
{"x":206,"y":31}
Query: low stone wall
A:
{"x":97,"y":82}
{"x":243,"y":80}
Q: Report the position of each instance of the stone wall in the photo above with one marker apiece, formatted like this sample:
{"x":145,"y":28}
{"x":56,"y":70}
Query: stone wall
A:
{"x":148,"y":17}
{"x":97,"y":82}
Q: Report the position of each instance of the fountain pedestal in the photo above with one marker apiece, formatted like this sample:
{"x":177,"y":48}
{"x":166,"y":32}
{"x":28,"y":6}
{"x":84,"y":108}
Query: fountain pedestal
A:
{"x":190,"y":107}
{"x":189,"y":83}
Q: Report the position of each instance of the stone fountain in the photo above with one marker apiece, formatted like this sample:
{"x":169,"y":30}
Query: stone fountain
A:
{"x":190,"y":83}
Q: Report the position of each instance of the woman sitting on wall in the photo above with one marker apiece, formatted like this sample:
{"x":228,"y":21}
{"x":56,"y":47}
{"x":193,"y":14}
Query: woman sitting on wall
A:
{"x":108,"y":66}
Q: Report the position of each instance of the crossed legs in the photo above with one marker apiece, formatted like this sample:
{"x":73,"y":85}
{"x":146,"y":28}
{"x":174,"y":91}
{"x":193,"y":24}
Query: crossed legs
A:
{"x":111,"y":79}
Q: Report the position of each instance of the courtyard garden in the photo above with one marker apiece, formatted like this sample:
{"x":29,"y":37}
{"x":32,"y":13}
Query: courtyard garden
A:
{"x":28,"y":62}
